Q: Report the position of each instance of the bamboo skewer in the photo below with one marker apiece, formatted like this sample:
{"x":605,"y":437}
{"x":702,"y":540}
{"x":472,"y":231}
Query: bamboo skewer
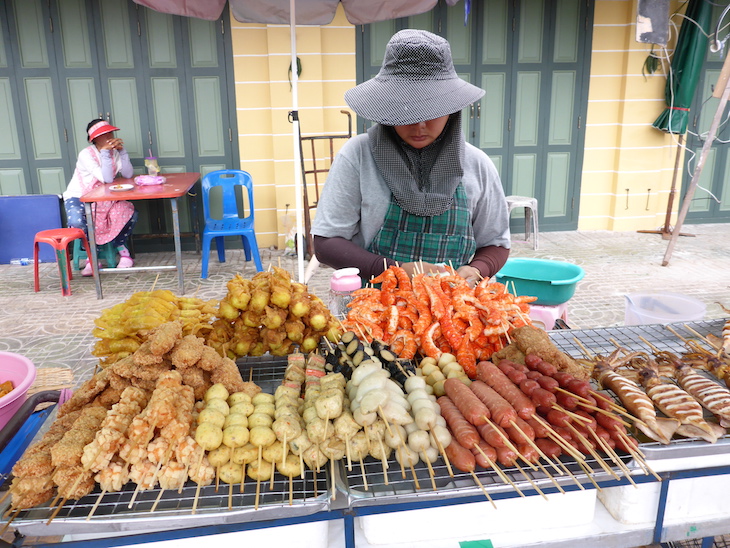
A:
{"x":430,"y":473}
{"x":157,"y":500}
{"x":528,"y":478}
{"x":504,"y":476}
{"x":586,"y":442}
{"x":15,"y":512}
{"x":532,"y":444}
{"x":364,"y":478}
{"x":291,"y":490}
{"x":243,"y":477}
{"x":96,"y":504}
{"x":230,"y":496}
{"x":509,"y":443}
{"x":481,"y":486}
{"x":332,"y":477}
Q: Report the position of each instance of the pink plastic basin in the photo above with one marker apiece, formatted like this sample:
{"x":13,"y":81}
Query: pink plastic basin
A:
{"x":21,"y":372}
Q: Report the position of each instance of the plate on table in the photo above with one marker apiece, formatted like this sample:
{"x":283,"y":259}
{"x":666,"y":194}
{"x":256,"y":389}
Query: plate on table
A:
{"x":121,"y":187}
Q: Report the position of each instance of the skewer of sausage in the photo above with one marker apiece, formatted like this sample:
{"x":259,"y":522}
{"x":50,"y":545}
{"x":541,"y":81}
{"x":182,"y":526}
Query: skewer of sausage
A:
{"x":464,"y":460}
{"x":491,"y":375}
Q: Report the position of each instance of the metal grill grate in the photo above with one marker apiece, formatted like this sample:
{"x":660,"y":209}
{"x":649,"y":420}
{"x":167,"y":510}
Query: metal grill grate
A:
{"x":308,"y":495}
{"x":599,"y":341}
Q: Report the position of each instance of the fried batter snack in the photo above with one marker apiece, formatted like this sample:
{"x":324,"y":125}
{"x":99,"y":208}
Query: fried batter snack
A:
{"x":85,"y":393}
{"x":227,"y":373}
{"x":533,"y":340}
{"x":163,"y":338}
{"x":187,"y":351}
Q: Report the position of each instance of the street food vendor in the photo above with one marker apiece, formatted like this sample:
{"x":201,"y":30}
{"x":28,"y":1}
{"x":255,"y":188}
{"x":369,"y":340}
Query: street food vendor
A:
{"x":411,"y":190}
{"x":98,"y":164}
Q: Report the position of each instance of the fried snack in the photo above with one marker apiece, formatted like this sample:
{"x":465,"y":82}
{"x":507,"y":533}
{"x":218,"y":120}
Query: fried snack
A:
{"x":85,"y":393}
{"x":6,"y":388}
{"x":163,"y":338}
{"x":144,"y":355}
{"x":510,"y":352}
{"x":227,"y":373}
{"x":533,"y":340}
{"x":187,"y":351}
{"x":68,"y":450}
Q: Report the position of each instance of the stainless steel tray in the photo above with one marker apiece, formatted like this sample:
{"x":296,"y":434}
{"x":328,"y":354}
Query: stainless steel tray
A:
{"x":400,"y":490}
{"x":600,"y":341}
{"x":175,"y":510}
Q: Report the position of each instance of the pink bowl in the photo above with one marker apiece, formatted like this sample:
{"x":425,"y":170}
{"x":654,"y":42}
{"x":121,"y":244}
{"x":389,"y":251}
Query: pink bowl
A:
{"x":21,"y":372}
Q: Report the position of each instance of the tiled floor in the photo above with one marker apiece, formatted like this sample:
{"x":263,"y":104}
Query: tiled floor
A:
{"x":55,"y":331}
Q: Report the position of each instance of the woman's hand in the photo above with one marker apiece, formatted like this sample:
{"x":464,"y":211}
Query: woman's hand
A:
{"x":470,"y":274}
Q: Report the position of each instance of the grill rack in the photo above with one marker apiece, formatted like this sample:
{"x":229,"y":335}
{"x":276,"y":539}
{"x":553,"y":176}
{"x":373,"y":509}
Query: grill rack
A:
{"x":399,"y":489}
{"x":309,"y":495}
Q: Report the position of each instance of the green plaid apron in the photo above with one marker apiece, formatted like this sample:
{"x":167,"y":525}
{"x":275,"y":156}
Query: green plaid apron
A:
{"x":446,"y":238}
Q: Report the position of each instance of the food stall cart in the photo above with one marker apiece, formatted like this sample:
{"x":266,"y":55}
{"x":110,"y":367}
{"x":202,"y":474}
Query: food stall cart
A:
{"x":383,"y":508}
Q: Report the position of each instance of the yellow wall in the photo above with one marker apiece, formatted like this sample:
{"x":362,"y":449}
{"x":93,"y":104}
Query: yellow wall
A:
{"x":627,"y":168}
{"x":628,"y":164}
{"x":261,"y":58}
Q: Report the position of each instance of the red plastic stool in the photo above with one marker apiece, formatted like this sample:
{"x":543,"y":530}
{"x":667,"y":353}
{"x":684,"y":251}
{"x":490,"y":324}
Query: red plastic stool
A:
{"x":59,"y":238}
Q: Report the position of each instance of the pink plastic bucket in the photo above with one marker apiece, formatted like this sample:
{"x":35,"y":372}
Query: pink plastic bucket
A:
{"x":21,"y":372}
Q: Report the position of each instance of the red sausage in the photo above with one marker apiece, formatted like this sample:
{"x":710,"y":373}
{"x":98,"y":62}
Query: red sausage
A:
{"x":491,"y":375}
{"x":528,"y":386}
{"x":462,"y":429}
{"x":556,"y":418}
{"x":563,"y":378}
{"x":549,"y":447}
{"x":625,"y":443}
{"x":502,"y":412}
{"x":590,"y":419}
{"x":531,"y":361}
{"x":460,"y":457}
{"x":580,"y":388}
{"x":543,"y":398}
{"x":528,"y":453}
{"x":548,"y":383}
{"x":514,"y":375}
{"x":466,"y":401}
{"x":540,"y":430}
{"x":506,"y":456}
{"x":602,"y":401}
{"x":486,"y":449}
{"x":516,"y":436}
{"x":566,"y":401}
{"x":488,"y":432}
{"x":603,"y":434}
{"x":518,"y":366}
{"x":534,"y":375}
{"x":610,"y":423}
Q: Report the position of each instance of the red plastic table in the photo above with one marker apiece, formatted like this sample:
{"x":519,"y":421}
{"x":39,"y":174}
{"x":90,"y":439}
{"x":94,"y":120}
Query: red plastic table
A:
{"x":175,"y":186}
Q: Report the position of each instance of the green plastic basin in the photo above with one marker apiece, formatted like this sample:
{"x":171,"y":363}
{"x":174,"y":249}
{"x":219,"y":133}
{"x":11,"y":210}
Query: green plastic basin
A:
{"x":552,"y":282}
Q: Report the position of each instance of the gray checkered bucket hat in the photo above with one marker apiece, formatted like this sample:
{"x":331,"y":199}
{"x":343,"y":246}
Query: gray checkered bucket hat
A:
{"x":416,"y":82}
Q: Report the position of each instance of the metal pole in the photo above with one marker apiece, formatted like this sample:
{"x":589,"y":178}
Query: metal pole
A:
{"x":700,"y":164}
{"x":295,"y":139}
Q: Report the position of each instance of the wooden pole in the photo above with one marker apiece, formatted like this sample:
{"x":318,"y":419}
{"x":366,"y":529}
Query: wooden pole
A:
{"x":700,"y":163}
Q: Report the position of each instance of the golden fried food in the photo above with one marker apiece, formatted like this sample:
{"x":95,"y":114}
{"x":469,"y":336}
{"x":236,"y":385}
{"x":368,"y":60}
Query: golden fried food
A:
{"x":85,"y":393}
{"x":532,"y":340}
{"x":6,"y":388}
{"x":227,"y":373}
{"x":163,"y":338}
{"x":187,"y":351}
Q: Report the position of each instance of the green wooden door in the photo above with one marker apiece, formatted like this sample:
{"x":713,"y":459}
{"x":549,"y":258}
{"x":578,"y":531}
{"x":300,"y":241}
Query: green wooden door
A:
{"x":532,"y":58}
{"x":165,"y":81}
{"x":711,"y":201}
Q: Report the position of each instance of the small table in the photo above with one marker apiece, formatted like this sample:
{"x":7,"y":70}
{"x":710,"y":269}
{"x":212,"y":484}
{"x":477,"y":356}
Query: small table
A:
{"x":175,"y":186}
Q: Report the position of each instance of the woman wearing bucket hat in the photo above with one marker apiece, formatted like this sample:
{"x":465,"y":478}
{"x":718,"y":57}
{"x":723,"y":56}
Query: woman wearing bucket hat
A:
{"x":411,"y":190}
{"x":98,"y":164}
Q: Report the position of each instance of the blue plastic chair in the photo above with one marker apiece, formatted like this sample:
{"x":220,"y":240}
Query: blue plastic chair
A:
{"x":233,"y":222}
